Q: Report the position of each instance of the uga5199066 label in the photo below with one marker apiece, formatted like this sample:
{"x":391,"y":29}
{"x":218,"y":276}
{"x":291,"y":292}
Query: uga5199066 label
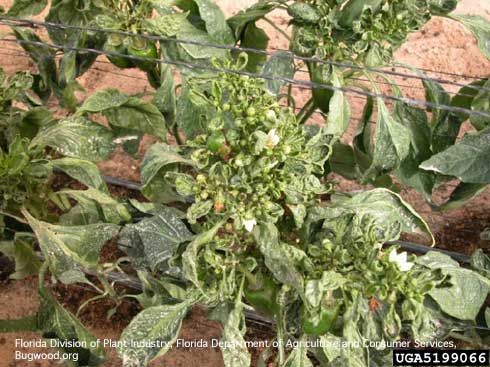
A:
{"x":438,"y":357}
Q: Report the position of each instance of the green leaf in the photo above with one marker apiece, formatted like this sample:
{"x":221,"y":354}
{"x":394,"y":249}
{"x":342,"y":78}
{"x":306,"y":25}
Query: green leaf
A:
{"x":126,"y":112}
{"x":481,"y":103}
{"x":158,"y":236}
{"x":481,"y":263}
{"x":165,"y":98}
{"x":468,"y":291}
{"x":83,"y":171}
{"x":44,"y":58}
{"x":111,"y":210}
{"x":480,"y":28}
{"x":299,"y":356}
{"x":198,"y":210}
{"x":278,"y":65}
{"x":57,"y":323}
{"x":415,"y":119}
{"x":465,"y":97}
{"x":68,"y":247}
{"x":391,"y":143}
{"x":446,"y":131}
{"x":340,"y":113}
{"x":167,"y":25}
{"x":157,"y":325}
{"x":235,"y":354}
{"x":239,"y":21}
{"x":26,"y":260}
{"x":158,"y":156}
{"x":278,"y":256}
{"x":442,"y":7}
{"x":436,"y":94}
{"x":190,"y":256}
{"x":386,"y":207}
{"x":76,"y":137}
{"x":26,"y":8}
{"x":467,"y":160}
{"x":215,"y":21}
{"x":343,"y":161}
{"x":189,"y":32}
{"x":256,"y":38}
{"x":463,"y":193}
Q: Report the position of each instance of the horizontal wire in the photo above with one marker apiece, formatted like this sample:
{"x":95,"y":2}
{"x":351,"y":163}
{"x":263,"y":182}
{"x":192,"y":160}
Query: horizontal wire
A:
{"x":33,"y":23}
{"x":286,"y":54}
{"x":394,"y":84}
{"x":318,"y":113}
{"x":304,"y":84}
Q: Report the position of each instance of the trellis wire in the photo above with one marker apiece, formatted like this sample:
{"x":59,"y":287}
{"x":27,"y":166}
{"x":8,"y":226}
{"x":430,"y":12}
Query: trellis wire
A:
{"x":285,"y":54}
{"x":306,"y":84}
{"x":120,"y":74}
{"x":383,"y":82}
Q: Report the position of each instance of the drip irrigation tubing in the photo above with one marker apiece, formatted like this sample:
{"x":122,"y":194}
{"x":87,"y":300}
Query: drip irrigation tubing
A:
{"x":410,"y":246}
{"x":285,"y":54}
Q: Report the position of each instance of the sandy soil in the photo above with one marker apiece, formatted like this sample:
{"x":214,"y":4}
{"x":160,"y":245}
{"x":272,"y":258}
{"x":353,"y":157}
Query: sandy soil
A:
{"x":442,"y":46}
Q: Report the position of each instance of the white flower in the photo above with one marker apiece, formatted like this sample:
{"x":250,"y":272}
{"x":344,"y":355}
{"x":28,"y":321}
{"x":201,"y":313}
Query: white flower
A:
{"x":400,"y":260}
{"x":272,"y":138}
{"x":249,"y":224}
{"x":271,"y":115}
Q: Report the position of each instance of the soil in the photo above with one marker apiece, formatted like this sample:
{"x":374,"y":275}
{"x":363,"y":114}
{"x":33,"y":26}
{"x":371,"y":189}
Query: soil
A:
{"x":442,"y":46}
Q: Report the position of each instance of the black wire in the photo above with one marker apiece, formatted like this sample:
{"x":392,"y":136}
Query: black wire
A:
{"x":286,"y":54}
{"x":304,"y":84}
{"x":318,"y":113}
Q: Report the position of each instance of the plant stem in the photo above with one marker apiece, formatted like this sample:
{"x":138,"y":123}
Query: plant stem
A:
{"x":306,"y":111}
{"x":175,"y":131}
{"x":106,"y":285}
{"x":280,"y":337}
{"x":277,"y":28}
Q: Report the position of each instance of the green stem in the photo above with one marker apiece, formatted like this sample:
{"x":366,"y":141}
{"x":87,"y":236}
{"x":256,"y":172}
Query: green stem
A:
{"x":84,"y":304}
{"x":18,"y":219}
{"x":277,"y":28}
{"x":106,"y":285}
{"x":306,"y":111}
{"x":175,"y":130}
{"x":290,"y":95}
{"x":280,"y":337}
